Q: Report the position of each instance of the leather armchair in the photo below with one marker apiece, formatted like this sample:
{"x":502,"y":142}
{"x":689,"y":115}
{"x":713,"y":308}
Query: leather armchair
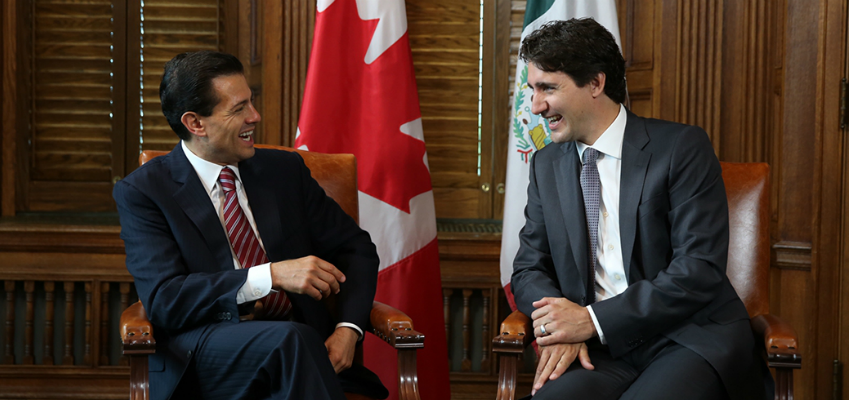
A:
{"x":747,"y":189}
{"x":337,"y":175}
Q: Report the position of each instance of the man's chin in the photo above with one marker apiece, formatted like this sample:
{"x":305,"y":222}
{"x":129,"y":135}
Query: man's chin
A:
{"x":560,"y":137}
{"x":248,"y":153}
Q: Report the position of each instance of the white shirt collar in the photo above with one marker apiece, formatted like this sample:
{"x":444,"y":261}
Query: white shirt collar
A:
{"x":610,"y":141}
{"x":207,"y":172}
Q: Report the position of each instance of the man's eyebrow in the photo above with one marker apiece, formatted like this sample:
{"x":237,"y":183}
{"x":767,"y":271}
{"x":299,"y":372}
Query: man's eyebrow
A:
{"x":239,"y":104}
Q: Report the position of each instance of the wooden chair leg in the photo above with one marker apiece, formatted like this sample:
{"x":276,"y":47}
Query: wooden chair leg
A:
{"x":138,"y":378}
{"x":783,"y":384}
{"x":507,"y":376}
{"x":408,"y":381}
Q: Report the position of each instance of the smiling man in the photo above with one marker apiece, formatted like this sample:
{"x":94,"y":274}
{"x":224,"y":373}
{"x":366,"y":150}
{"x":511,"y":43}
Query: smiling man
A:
{"x":622,"y":257}
{"x":232,"y":249}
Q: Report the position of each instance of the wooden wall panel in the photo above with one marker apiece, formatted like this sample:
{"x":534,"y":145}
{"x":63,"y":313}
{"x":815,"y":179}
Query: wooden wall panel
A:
{"x":287,"y":39}
{"x":638,"y":49}
{"x":754,"y":75}
{"x":745,"y":89}
{"x":798,"y":189}
{"x":8,"y":109}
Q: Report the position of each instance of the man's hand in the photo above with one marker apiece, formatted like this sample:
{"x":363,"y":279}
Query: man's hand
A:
{"x":340,"y":348}
{"x":554,"y":359}
{"x":309,"y":275}
{"x":563,"y":321}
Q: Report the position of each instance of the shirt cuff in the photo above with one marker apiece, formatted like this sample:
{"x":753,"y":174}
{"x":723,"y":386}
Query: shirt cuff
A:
{"x":597,"y":326}
{"x":257,"y":286}
{"x":352,"y":326}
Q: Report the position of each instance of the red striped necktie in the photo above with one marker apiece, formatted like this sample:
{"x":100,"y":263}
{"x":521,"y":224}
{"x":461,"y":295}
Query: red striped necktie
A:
{"x":246,"y":245}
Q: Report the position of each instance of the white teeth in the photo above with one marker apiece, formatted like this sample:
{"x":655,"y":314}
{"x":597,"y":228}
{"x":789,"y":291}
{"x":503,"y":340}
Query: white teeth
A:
{"x":246,"y":134}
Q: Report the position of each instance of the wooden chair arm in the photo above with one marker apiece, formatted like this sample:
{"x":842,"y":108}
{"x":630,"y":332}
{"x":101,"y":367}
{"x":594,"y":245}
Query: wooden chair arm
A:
{"x":517,"y":332}
{"x":780,"y":340}
{"x":395,"y":327}
{"x":136,"y":331}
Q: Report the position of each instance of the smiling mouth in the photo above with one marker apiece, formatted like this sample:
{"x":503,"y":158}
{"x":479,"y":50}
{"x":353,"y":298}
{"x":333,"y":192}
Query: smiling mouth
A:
{"x":247,"y":136}
{"x":554,"y":119}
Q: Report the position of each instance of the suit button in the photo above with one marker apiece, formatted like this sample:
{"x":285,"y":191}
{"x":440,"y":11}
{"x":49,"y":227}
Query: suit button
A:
{"x":189,"y":354}
{"x":227,"y":316}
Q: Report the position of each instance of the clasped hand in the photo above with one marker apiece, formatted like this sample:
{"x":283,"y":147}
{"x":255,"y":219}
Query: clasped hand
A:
{"x":558,"y":320}
{"x":561,"y":328}
{"x":309,"y":275}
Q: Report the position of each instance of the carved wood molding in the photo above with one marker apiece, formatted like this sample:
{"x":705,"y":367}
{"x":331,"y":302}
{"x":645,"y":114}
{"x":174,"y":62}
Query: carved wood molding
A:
{"x":793,"y":255}
{"x":58,"y":238}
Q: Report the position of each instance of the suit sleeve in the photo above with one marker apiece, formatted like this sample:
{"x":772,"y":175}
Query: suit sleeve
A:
{"x":173,"y":298}
{"x":698,"y":233}
{"x":534,"y":276}
{"x":338,"y":240}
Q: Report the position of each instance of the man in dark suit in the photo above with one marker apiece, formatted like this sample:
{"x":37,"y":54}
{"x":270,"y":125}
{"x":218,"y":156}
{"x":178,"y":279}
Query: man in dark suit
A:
{"x":232,"y":249}
{"x":622,"y":257}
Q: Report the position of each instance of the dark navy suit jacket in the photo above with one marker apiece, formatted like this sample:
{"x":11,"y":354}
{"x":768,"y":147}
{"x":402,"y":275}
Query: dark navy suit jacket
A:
{"x":673,"y":219}
{"x":179,"y":254}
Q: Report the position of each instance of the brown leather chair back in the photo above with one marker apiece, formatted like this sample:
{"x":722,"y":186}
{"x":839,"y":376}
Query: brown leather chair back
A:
{"x":335,"y":173}
{"x":747,"y":188}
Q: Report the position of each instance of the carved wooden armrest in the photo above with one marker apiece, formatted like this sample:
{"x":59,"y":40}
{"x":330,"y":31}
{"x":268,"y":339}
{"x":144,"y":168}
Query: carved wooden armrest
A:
{"x":517,"y":332}
{"x":136,"y":331}
{"x":780,"y":340}
{"x":395,"y":327}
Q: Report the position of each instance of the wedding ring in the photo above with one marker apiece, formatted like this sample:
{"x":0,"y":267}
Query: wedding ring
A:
{"x":542,"y":330}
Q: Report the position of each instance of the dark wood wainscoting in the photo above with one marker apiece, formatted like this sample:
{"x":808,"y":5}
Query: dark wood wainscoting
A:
{"x":64,"y":286}
{"x":475,"y":305}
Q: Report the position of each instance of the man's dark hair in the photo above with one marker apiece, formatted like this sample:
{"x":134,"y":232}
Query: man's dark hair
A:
{"x":187,"y":85}
{"x":580,"y":48}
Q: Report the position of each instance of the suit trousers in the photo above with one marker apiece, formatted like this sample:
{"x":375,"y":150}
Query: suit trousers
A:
{"x":658,"y":369}
{"x":260,"y":360}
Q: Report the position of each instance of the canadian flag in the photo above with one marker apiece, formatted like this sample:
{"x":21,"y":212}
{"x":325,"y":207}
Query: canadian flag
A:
{"x":361,"y":98}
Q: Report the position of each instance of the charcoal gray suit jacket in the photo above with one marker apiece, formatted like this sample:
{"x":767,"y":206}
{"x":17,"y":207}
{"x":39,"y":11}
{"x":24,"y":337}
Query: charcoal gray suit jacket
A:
{"x":674,"y":231}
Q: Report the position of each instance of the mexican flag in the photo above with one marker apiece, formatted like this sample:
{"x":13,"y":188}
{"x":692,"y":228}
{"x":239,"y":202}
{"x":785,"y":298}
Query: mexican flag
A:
{"x":361,"y":98}
{"x":529,"y":132}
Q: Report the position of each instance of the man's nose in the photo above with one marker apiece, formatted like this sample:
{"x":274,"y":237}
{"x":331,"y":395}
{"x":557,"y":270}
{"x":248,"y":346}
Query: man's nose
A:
{"x":254,"y":117}
{"x":537,"y":104}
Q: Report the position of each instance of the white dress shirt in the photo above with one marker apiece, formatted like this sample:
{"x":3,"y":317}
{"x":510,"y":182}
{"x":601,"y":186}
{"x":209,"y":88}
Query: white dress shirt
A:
{"x":610,"y":278}
{"x":258,"y":284}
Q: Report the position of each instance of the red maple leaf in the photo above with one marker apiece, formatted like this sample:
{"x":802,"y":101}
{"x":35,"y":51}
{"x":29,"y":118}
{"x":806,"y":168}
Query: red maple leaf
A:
{"x":352,"y":107}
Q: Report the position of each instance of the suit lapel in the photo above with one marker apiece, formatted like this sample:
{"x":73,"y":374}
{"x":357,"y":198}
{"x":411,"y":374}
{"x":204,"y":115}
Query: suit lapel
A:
{"x":567,"y":173}
{"x":264,"y":205}
{"x":194,"y":201}
{"x":635,"y":163}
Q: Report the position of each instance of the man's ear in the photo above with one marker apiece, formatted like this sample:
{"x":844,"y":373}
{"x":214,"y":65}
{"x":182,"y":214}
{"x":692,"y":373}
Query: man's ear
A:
{"x":597,"y":84}
{"x":193,"y":123}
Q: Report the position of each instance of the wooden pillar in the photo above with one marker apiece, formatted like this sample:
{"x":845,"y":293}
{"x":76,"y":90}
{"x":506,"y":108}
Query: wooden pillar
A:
{"x":9,"y":286}
{"x":467,"y":361}
{"x":68,"y":359}
{"x":29,"y":289}
{"x":49,"y":287}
